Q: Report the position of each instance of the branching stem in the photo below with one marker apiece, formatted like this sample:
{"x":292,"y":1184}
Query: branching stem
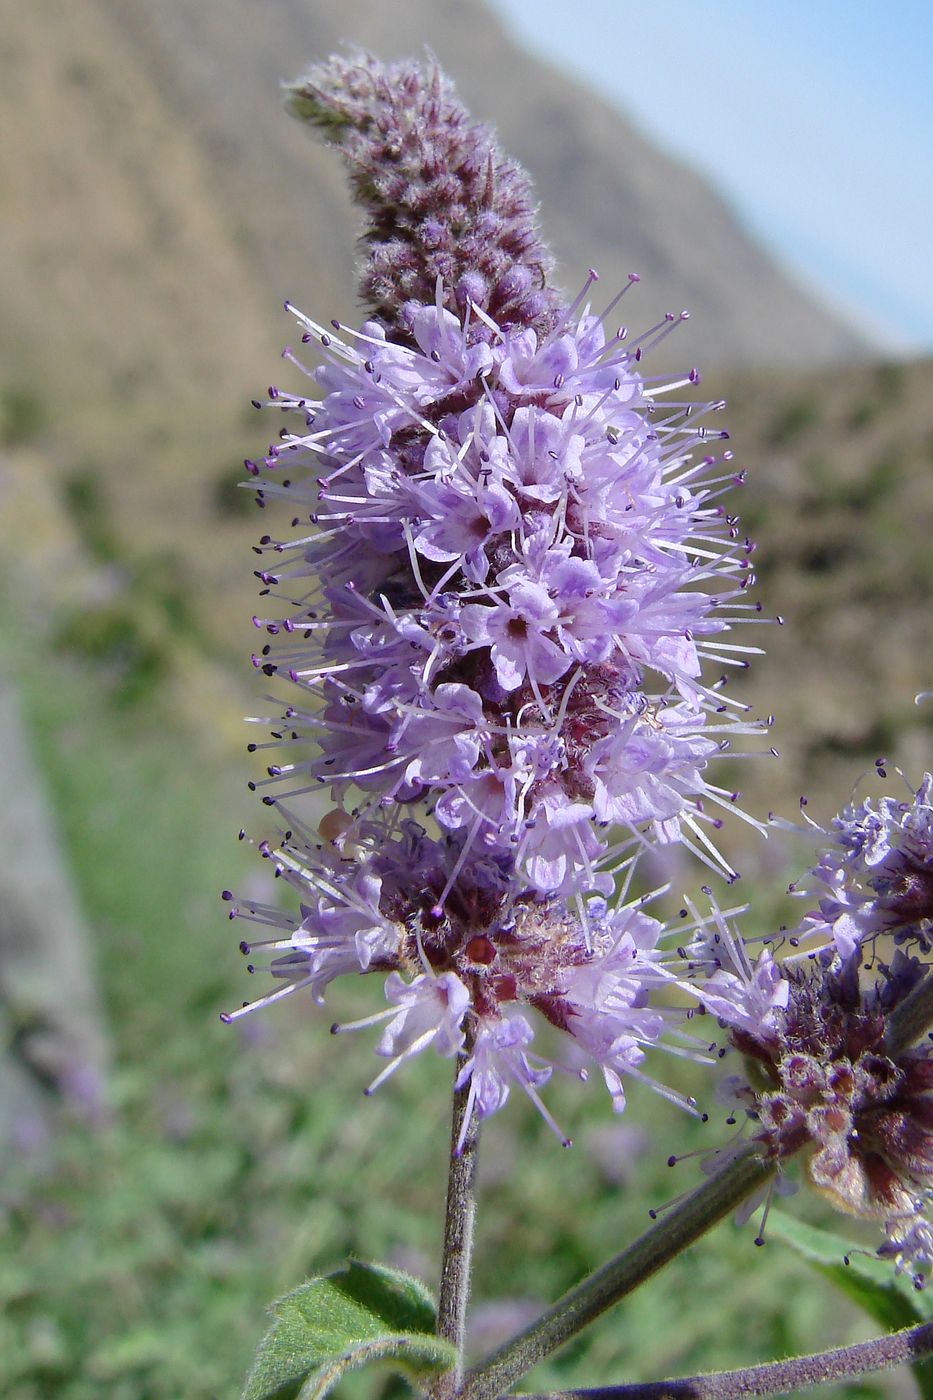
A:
{"x":777,"y":1377}
{"x":681,"y":1224}
{"x":911,"y":1020}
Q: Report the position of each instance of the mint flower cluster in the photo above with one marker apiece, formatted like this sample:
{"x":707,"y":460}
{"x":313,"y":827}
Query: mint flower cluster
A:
{"x":834,"y":1073}
{"x":511,"y":565}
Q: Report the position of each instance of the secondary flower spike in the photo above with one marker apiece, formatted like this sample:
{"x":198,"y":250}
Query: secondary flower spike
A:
{"x":833,"y":1073}
{"x":510,"y":562}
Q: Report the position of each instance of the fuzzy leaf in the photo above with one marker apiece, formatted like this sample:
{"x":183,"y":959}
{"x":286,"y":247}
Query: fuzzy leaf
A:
{"x":358,"y":1315}
{"x":871,"y":1283}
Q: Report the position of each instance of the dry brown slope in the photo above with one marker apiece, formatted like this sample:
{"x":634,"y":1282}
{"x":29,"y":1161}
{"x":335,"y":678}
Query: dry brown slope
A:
{"x":123,"y":284}
{"x":156,"y":202}
{"x":840,"y":499}
{"x":609,"y":196}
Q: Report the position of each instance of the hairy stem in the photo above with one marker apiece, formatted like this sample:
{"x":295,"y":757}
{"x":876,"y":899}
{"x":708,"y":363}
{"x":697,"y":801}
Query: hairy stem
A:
{"x":681,"y":1225}
{"x":458,"y":1224}
{"x":777,"y":1377}
{"x":912,"y":1019}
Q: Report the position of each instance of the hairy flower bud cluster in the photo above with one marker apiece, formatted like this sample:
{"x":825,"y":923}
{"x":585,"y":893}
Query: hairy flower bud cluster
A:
{"x":443,"y":202}
{"x":830,"y":1073}
{"x":510,"y":565}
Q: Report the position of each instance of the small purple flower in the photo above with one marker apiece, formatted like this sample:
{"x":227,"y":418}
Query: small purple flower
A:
{"x":484,"y":806}
{"x":515,"y":629}
{"x":748,"y":1000}
{"x":876,"y":876}
{"x":447,"y":741}
{"x":466,"y":516}
{"x":497,"y":1061}
{"x":558,"y":838}
{"x":431,"y":1012}
{"x":544,"y":455}
{"x":648,"y":767}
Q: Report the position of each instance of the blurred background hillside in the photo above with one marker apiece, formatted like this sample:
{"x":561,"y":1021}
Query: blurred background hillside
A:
{"x":163,"y":1177}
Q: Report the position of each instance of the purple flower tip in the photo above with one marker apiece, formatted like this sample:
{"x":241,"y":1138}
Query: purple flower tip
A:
{"x":444,"y":205}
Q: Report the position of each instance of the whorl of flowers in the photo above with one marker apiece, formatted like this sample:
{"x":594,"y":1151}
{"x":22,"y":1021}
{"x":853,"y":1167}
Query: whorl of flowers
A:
{"x":830,"y":1072}
{"x":510,"y":563}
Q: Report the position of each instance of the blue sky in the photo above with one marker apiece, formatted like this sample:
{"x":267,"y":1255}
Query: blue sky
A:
{"x":813,"y":117}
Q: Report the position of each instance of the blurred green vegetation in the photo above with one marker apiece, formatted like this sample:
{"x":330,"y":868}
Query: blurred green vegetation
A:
{"x":133,"y":624}
{"x":792,"y":420}
{"x":22,"y":415}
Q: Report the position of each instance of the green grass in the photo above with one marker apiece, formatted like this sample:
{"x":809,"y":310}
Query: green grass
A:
{"x":240,"y":1160}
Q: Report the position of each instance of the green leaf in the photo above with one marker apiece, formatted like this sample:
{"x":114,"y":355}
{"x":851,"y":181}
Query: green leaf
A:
{"x":871,"y":1283}
{"x":358,"y":1315}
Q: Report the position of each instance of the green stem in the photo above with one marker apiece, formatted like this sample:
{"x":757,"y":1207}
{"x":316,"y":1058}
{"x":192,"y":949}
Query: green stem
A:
{"x":911,"y":1020}
{"x":680,"y":1226}
{"x":911,"y":1345}
{"x":458,"y":1226}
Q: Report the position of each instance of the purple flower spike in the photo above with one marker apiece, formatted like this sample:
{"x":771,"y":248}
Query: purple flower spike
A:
{"x":841,"y":1062}
{"x":491,"y":636}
